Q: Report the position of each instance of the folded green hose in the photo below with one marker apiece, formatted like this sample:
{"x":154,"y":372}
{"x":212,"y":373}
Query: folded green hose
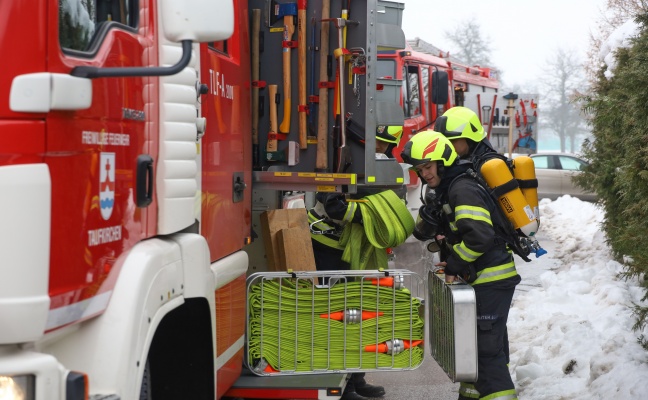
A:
{"x":349,"y":295}
{"x":386,"y":222}
{"x":286,"y":330}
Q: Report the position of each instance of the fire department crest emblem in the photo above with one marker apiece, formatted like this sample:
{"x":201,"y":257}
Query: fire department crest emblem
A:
{"x":107,"y":184}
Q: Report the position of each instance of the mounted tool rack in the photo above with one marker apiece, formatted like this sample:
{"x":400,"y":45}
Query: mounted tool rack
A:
{"x":333,"y":47}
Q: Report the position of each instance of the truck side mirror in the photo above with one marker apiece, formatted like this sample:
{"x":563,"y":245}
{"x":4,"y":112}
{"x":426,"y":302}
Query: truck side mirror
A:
{"x":197,"y":20}
{"x":439,"y":87}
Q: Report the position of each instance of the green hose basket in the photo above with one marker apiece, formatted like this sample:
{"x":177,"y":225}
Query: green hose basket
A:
{"x":298,"y":326}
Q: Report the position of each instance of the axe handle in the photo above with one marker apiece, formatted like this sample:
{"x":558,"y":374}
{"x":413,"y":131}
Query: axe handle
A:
{"x":343,"y":151}
{"x":321,"y":162}
{"x":289,"y":29}
{"x":256,"y":29}
{"x":301,"y":51}
{"x":490,"y":121}
{"x":271,"y":146}
{"x":339,"y":76}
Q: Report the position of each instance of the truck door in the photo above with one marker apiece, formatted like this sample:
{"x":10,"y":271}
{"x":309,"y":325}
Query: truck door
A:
{"x":93,"y":154}
{"x":226,"y":213}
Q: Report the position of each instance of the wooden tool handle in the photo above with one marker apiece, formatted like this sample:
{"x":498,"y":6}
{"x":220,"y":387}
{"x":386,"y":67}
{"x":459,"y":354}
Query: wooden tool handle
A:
{"x":321,"y":161}
{"x":289,"y":29}
{"x":272,"y":134}
{"x":256,"y":28}
{"x":301,"y":52}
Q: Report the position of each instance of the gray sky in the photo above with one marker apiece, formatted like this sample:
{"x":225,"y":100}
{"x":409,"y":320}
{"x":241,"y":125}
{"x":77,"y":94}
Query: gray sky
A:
{"x":523,"y":33}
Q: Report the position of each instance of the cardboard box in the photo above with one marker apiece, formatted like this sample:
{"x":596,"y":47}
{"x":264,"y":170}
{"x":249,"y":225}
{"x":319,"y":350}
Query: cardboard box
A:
{"x":287,"y":240}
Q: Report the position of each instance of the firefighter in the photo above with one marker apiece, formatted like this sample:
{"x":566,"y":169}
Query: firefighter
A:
{"x":332,"y":211}
{"x":475,"y":252}
{"x":328,"y":218}
{"x":461,"y":125}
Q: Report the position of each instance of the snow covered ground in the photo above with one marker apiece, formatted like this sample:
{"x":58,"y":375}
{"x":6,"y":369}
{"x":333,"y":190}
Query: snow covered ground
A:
{"x":570,"y":326}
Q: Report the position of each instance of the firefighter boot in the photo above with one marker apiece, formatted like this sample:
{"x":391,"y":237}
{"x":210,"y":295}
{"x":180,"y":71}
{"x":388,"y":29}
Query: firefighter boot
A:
{"x":350,"y":392}
{"x":365,"y":389}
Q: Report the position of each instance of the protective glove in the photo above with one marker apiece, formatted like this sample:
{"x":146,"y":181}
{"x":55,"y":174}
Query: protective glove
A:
{"x":456,"y":266}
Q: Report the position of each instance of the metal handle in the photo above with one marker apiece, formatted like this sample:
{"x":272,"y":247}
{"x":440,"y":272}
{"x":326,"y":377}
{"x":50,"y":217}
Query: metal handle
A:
{"x":144,"y":183}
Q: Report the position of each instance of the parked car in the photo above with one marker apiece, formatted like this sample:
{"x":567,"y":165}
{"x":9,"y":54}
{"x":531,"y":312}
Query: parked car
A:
{"x":555,"y":171}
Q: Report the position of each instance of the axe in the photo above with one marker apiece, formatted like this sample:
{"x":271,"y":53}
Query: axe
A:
{"x":321,"y":163}
{"x":271,"y":146}
{"x":490,"y":120}
{"x":285,"y":11}
{"x":291,"y":153}
{"x":301,"y":52}
{"x":256,"y":29}
{"x":343,"y":159}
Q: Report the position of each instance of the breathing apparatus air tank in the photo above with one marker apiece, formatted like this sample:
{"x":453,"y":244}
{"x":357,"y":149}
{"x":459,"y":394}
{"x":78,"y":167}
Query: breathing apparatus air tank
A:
{"x":524,"y":172}
{"x":498,"y":177}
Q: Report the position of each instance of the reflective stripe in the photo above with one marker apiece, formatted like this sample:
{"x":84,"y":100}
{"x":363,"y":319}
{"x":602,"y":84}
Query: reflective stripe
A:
{"x":468,"y":390}
{"x":474,"y":213}
{"x":327,"y":241}
{"x":496,"y":273}
{"x":465,"y":253}
{"x":350,"y":211}
{"x":453,"y":227}
{"x":503,"y":395}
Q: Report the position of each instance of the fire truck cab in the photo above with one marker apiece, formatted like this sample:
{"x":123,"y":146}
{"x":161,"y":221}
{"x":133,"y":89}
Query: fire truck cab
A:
{"x":126,"y":187}
{"x":99,"y":120}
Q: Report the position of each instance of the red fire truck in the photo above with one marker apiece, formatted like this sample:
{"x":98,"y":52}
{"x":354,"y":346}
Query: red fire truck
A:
{"x":126,"y":185}
{"x":417,"y":74}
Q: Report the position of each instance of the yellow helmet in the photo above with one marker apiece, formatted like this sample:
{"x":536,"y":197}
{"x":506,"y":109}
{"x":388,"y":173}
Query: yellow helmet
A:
{"x":460,"y":123}
{"x":429,"y":146}
{"x":389,"y":133}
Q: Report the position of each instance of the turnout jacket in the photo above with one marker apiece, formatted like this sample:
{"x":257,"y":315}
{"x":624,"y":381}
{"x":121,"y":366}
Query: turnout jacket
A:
{"x":469,"y":214}
{"x":328,"y":217}
{"x":332,"y":211}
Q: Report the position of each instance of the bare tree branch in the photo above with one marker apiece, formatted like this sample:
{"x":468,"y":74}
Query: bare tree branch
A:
{"x":565,"y":80}
{"x":473,"y":47}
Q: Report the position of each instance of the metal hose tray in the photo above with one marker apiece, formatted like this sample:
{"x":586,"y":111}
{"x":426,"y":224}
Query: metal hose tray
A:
{"x":357,"y":321}
{"x":453,"y":327}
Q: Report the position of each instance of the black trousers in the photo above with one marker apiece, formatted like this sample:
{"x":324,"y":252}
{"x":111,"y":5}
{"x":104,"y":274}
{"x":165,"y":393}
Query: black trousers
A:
{"x":328,"y":258}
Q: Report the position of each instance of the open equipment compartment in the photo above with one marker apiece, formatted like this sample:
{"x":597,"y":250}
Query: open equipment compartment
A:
{"x":367,"y":29}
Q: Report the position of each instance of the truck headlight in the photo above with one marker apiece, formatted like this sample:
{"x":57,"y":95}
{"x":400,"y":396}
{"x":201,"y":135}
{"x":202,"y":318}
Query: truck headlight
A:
{"x":19,"y":387}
